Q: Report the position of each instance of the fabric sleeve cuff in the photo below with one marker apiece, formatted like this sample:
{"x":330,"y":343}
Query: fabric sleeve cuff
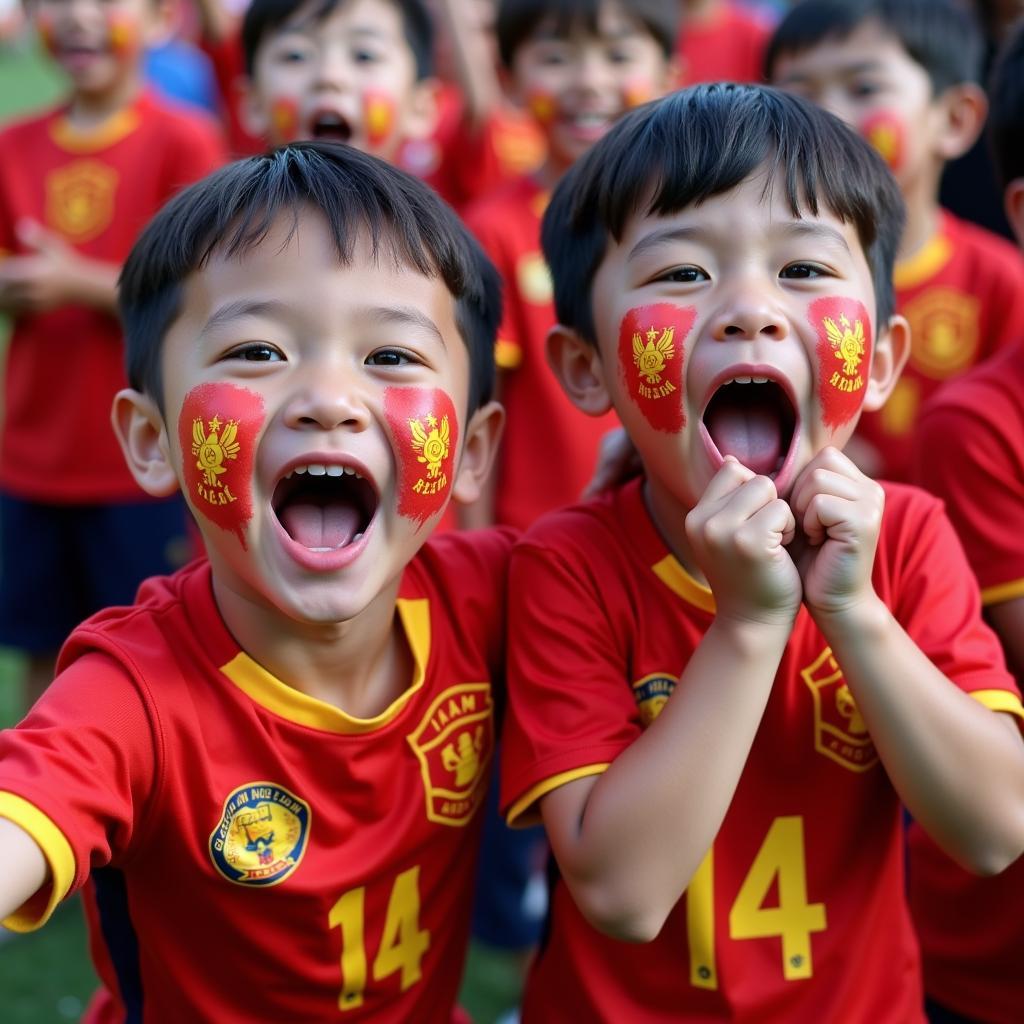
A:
{"x":1002,"y":592}
{"x":59,"y":856}
{"x":517,"y":816}
{"x":1001,"y":700}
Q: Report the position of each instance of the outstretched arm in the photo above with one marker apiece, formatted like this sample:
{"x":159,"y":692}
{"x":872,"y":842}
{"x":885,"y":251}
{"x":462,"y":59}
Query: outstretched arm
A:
{"x":25,"y":869}
{"x":472,"y":56}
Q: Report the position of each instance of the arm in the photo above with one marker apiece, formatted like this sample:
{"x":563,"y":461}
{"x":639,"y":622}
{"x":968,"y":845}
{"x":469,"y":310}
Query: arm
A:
{"x":629,"y":840}
{"x":25,"y":868}
{"x":957,"y":766}
{"x":473,"y":58}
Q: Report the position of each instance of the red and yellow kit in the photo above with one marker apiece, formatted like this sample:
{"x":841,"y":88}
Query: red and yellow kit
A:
{"x":727,"y":47}
{"x":972,"y":929}
{"x":255,"y":854}
{"x":963,"y":296}
{"x":96,"y":191}
{"x":549,"y":448}
{"x":797,"y":913}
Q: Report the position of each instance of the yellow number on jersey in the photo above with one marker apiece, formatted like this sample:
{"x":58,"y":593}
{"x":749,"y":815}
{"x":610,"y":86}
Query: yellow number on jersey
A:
{"x":402,"y":946}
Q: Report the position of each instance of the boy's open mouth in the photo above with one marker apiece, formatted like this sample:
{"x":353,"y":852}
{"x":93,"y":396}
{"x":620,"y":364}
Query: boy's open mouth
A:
{"x":324,"y":507}
{"x":754,"y":420}
{"x":331,"y":126}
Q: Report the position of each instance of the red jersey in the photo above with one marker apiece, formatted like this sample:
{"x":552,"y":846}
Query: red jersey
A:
{"x":969,"y":451}
{"x":256,"y":854}
{"x":228,"y":60}
{"x":549,"y":448}
{"x":97,"y":191}
{"x":463,"y":165}
{"x":963,"y":296}
{"x":780,"y":923}
{"x":726,"y":47}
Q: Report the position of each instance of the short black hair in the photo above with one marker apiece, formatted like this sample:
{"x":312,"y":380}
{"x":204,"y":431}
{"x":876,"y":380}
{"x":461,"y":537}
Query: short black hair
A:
{"x":262,"y":17}
{"x":942,"y":36}
{"x":517,"y":20}
{"x":1006,"y":108}
{"x":232,"y":210}
{"x":699,"y":143}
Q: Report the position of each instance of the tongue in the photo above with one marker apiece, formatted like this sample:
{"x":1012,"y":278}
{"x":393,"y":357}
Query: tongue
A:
{"x":315,"y":525}
{"x":749,"y":434}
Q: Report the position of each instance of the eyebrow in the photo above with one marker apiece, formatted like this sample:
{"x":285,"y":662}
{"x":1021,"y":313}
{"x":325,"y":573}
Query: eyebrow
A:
{"x":241,"y":308}
{"x":846,"y":69}
{"x":817,"y":231}
{"x":665,"y":236}
{"x":403,"y":316}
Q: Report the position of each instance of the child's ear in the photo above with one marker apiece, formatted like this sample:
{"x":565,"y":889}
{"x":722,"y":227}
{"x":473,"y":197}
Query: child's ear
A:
{"x":422,"y":112}
{"x":140,"y":429}
{"x":1013,"y":204}
{"x":892,"y":349}
{"x":963,"y":109}
{"x":577,"y":365}
{"x":483,"y":432}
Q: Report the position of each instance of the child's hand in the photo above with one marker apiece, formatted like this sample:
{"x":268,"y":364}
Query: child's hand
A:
{"x":42,"y":279}
{"x":839,"y":510}
{"x":738,"y":532}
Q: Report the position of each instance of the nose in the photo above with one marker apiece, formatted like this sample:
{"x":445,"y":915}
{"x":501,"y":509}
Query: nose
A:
{"x":329,"y":397}
{"x":334,"y":68}
{"x":592,"y":72}
{"x":749,"y":314}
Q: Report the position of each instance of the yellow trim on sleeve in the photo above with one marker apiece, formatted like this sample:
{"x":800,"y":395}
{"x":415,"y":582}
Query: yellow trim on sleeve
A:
{"x":925,"y":263}
{"x":507,"y":354}
{"x":113,"y":129}
{"x":1000,"y":700}
{"x":58,"y":853}
{"x":1002,"y":592}
{"x":531,"y":796}
{"x":681,"y":583}
{"x":269,"y":692}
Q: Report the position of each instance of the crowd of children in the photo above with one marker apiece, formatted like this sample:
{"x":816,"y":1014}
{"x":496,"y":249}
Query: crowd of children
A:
{"x":307,"y":518}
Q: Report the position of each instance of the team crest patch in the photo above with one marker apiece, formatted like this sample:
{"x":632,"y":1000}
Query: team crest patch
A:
{"x":944,"y":327}
{"x":80,"y":199}
{"x":261,"y":836}
{"x":650,"y":694}
{"x":454,"y":743}
{"x":840,"y":732}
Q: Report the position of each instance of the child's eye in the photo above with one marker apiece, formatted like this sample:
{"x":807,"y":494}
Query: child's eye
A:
{"x":390,"y":357}
{"x":862,"y":89}
{"x":256,"y":352}
{"x":292,"y":56}
{"x":803,"y":271}
{"x":364,"y":56}
{"x":685,"y":275}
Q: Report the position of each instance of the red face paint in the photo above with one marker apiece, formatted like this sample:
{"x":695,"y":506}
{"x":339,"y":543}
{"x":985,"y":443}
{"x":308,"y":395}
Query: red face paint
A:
{"x":637,"y":92}
{"x":218,"y":429}
{"x":887,"y":133}
{"x":844,"y":357}
{"x":425,"y":435}
{"x":124,"y":34}
{"x":652,"y":354}
{"x":46,"y":30}
{"x":542,"y":105}
{"x":284,"y":120}
{"x":378,"y":117}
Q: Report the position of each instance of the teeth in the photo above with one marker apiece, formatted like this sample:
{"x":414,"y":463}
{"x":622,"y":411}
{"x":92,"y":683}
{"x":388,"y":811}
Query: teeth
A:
{"x":317,"y":470}
{"x":749,"y":380}
{"x":759,"y":380}
{"x":321,"y":469}
{"x":335,"y":470}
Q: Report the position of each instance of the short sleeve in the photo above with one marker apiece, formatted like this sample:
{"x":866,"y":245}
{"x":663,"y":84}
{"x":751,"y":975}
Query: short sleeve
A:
{"x":77,"y":774}
{"x":570,"y":708}
{"x":198,"y":151}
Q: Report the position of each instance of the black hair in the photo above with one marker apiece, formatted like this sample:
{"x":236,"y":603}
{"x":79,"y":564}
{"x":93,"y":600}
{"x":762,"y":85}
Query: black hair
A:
{"x":1006,"y":108}
{"x":942,"y":36}
{"x":699,"y":143}
{"x":517,"y":20}
{"x":231,"y":211}
{"x":262,"y":17}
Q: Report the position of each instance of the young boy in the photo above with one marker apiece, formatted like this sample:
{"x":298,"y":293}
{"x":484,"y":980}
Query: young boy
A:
{"x":290,"y":739}
{"x":969,"y":451}
{"x":76,"y":186}
{"x":729,"y":674}
{"x":904,"y":73}
{"x":578,"y":69}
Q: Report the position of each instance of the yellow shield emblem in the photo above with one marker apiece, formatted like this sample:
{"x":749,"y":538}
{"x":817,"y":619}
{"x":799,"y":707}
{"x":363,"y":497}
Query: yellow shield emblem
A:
{"x":839,"y":729}
{"x":944,"y":328}
{"x":80,"y":199}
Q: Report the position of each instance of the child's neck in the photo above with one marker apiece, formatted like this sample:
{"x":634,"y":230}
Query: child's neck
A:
{"x":922,"y":216}
{"x":700,"y":10}
{"x":669,"y":520}
{"x":360,"y":666}
{"x":89,"y":110}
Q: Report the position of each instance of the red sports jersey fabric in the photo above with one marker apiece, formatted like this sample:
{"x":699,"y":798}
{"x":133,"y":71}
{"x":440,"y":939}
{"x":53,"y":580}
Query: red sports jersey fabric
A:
{"x":963,"y":296}
{"x":969,"y":450}
{"x":64,"y":367}
{"x":604,"y":619}
{"x":727,"y":47}
{"x":549,"y":448}
{"x":255,"y":854}
{"x":462,"y":164}
{"x":228,"y":60}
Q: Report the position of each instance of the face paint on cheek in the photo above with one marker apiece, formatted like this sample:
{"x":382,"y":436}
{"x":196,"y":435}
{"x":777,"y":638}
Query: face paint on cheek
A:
{"x":46,"y":30}
{"x":218,"y":429}
{"x":378,"y":117}
{"x":637,"y":92}
{"x":425,"y":435}
{"x":652,"y":353}
{"x":124,"y":34}
{"x":542,"y":105}
{"x":887,"y":133}
{"x":284,"y":120}
{"x":844,"y":357}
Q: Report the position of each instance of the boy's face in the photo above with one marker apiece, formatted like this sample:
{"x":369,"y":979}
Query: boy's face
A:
{"x":315,"y":418}
{"x":98,"y":43}
{"x":869,"y":81}
{"x":576,"y":87}
{"x":348,"y":77}
{"x":736,"y":328}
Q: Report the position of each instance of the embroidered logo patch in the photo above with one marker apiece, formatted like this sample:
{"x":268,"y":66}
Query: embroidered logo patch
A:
{"x":261,"y":836}
{"x":80,"y":199}
{"x":839,"y":730}
{"x":454,"y":744}
{"x":650,"y":694}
